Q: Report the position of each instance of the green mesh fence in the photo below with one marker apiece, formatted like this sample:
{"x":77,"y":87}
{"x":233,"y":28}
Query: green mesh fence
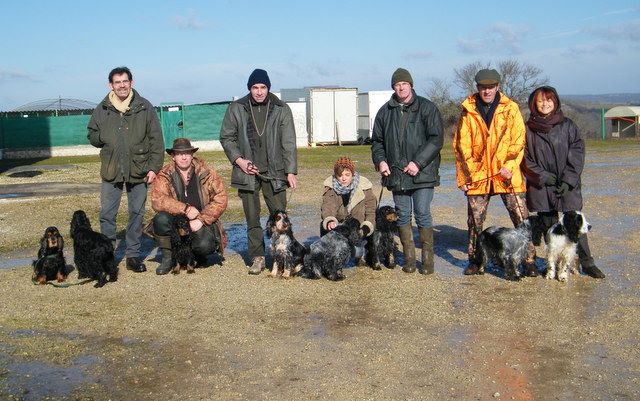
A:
{"x":202,"y":123}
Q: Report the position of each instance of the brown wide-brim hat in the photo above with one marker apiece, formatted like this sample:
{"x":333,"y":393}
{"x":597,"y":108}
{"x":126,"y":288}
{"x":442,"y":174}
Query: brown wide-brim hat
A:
{"x":182,"y":145}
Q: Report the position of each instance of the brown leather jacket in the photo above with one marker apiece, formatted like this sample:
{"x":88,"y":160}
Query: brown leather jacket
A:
{"x":213,"y":195}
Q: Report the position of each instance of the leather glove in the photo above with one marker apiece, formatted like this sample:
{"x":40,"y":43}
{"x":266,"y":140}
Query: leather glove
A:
{"x":551,"y":181}
{"x":562,"y":189}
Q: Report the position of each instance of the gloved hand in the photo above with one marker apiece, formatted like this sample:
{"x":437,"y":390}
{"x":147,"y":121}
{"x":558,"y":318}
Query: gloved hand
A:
{"x":551,"y":181}
{"x":562,"y":189}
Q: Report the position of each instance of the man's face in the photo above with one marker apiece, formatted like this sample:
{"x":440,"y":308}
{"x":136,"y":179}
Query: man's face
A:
{"x":403,"y":91}
{"x":182,"y":159}
{"x":121,"y":85}
{"x":259,"y":92}
{"x":488,"y":92}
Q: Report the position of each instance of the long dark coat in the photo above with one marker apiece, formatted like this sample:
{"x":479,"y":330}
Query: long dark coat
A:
{"x":560,"y":152}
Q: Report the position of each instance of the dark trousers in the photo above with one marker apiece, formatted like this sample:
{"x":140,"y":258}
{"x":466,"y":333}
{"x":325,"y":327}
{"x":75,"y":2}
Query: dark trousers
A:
{"x":251,"y":205}
{"x":203,"y":241}
{"x":584,"y":253}
{"x":110,"y":195}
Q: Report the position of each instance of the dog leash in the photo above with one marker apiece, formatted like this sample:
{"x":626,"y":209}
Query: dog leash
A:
{"x":512,"y":191}
{"x":268,"y":178}
{"x":64,"y":285}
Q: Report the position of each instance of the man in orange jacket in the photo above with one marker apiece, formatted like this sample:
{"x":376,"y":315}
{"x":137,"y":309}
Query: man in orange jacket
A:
{"x":489,"y":146}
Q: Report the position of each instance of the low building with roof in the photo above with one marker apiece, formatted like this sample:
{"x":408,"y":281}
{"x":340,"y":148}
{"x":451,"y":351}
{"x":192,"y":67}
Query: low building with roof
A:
{"x":624,"y":121}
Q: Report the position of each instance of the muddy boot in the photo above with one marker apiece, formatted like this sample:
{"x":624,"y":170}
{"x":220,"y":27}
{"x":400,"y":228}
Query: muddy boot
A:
{"x":164,"y":243}
{"x":257,"y":265}
{"x":426,"y":238}
{"x":408,"y":248}
{"x":586,"y":261}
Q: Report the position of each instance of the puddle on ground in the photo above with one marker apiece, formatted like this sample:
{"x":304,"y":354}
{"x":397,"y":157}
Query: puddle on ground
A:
{"x":25,"y":174}
{"x":16,"y":195}
{"x":37,"y":380}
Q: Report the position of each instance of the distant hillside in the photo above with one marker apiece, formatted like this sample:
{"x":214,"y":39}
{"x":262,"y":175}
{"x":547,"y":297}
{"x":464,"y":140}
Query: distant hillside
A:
{"x":632,"y":99}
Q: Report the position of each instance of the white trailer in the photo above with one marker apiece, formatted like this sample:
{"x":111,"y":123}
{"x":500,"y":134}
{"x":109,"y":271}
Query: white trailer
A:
{"x":331,"y":113}
{"x":368,"y":105}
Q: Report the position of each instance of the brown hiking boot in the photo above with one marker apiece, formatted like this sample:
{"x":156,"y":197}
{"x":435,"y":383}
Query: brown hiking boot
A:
{"x":257,"y":265}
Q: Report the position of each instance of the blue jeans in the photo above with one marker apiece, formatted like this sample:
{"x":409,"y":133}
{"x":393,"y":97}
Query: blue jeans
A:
{"x":416,"y":200}
{"x":110,"y":194}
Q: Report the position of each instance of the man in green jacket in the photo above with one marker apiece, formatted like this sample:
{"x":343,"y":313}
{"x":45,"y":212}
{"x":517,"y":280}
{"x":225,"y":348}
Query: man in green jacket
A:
{"x":405,"y":148}
{"x":126,"y":128}
{"x":259,"y":139}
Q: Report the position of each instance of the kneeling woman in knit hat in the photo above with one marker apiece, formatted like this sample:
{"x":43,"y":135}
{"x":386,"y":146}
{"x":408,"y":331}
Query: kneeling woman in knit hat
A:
{"x":347,"y":194}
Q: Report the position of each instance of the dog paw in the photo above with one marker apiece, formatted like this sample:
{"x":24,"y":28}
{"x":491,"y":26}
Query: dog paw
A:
{"x":286,"y":274}
{"x":563,"y":277}
{"x":377,"y":266}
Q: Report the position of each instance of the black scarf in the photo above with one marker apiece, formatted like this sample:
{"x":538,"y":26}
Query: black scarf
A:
{"x":486,"y":110}
{"x":539,"y":123}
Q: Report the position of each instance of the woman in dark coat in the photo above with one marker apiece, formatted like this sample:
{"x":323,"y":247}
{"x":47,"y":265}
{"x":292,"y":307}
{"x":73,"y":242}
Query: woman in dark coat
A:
{"x":554,"y":157}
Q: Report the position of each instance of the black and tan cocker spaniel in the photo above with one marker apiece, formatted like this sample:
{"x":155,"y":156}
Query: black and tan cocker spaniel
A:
{"x":50,"y":264}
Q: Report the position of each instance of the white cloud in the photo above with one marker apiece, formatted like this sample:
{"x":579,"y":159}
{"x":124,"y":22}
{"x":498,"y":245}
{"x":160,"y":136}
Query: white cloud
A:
{"x":626,"y":31}
{"x":188,"y":22}
{"x":8,"y":75}
{"x":500,"y":38}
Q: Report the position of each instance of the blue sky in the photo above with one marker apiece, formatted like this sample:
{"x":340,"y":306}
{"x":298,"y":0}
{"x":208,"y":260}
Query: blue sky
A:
{"x":204,"y":51}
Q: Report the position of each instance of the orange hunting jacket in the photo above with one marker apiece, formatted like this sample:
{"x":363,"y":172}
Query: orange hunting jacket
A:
{"x":481,"y":152}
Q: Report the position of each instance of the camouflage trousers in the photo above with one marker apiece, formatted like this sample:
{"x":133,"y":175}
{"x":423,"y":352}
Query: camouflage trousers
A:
{"x":477,"y":206}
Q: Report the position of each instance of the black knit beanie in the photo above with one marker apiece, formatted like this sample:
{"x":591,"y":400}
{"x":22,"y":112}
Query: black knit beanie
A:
{"x":258,"y":76}
{"x":401,"y":75}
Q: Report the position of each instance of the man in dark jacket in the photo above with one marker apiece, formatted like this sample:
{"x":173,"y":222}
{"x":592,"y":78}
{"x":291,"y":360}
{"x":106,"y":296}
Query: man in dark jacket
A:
{"x":259,"y":138}
{"x":405,"y":148}
{"x":125,"y":127}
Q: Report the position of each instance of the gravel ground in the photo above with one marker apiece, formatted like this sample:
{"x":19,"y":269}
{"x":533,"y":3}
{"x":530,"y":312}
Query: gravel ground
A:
{"x":378,"y":335}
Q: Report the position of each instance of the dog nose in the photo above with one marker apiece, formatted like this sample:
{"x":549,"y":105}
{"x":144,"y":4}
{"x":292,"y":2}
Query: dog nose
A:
{"x":588,"y":227}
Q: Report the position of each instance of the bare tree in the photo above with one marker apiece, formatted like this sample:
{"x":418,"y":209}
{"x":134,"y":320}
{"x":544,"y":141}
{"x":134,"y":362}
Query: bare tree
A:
{"x":463,"y":76}
{"x":518,"y":79}
{"x":439,"y":92}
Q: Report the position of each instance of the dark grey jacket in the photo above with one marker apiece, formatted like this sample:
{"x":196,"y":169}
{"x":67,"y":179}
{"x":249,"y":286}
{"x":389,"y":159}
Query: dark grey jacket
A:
{"x":421,"y":144}
{"x":131,"y":144}
{"x":559,"y":152}
{"x":280,"y":136}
